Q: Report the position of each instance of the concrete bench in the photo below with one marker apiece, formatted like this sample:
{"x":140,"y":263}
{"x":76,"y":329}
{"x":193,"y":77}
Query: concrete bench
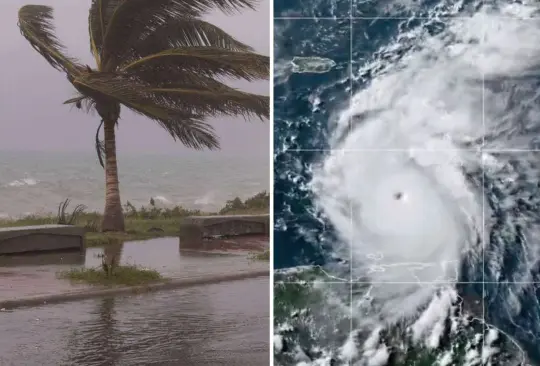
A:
{"x":194,"y":229}
{"x":41,"y":238}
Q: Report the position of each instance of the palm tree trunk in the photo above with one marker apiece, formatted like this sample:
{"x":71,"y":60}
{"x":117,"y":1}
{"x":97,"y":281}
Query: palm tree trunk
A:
{"x":113,"y":217}
{"x":113,"y":253}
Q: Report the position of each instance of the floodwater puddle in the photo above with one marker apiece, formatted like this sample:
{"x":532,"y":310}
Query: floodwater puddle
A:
{"x":220,"y":324}
{"x":32,"y":275}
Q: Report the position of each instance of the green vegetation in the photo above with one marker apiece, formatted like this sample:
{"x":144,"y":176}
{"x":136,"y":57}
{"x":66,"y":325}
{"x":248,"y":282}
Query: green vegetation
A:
{"x":142,"y":223}
{"x":111,"y":272}
{"x":259,"y":202}
{"x":159,"y":59}
{"x":314,"y":316}
{"x":261,"y":256}
{"x":119,"y":276}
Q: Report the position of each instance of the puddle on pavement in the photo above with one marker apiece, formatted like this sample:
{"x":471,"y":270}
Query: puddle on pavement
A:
{"x":162,"y":254}
{"x":223,"y":324}
{"x":36,"y":275}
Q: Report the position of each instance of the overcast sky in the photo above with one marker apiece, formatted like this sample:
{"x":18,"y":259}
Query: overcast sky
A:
{"x":32,"y":116}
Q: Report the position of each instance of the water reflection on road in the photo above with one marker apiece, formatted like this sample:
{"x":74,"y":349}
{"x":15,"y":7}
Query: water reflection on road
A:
{"x":224,"y":324}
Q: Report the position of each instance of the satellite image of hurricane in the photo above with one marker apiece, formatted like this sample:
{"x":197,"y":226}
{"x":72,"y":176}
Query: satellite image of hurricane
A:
{"x":407,"y":182}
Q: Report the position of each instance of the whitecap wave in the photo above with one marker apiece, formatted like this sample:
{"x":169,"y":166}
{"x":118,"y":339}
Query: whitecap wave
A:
{"x":23,"y":182}
{"x":208,"y":199}
{"x":161,"y":201}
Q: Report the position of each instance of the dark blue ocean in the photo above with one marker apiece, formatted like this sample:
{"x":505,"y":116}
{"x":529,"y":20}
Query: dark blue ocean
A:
{"x":364,"y":48}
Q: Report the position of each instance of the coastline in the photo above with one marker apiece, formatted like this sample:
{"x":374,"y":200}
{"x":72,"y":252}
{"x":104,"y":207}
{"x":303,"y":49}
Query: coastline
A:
{"x":25,"y":287}
{"x":143,"y":223}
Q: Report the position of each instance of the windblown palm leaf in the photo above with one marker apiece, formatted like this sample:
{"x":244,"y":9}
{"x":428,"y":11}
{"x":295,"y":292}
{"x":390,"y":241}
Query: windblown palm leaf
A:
{"x":166,"y":67}
{"x":169,"y":34}
{"x":158,"y":59}
{"x":35,"y":23}
{"x":198,"y":61}
{"x":112,"y":22}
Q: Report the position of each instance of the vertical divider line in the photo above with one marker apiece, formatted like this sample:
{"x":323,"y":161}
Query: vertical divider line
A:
{"x":351,"y":228}
{"x":271,"y":187}
{"x":484,"y":28}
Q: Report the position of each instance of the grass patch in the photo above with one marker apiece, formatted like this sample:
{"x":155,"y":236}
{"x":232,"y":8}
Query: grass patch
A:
{"x":120,"y":276}
{"x":146,"y":222}
{"x":262,"y":256}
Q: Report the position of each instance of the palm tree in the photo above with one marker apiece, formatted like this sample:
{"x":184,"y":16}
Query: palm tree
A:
{"x":159,"y":59}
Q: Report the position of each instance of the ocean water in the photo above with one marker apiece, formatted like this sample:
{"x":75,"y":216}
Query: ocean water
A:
{"x":407,"y":183}
{"x":36,"y":182}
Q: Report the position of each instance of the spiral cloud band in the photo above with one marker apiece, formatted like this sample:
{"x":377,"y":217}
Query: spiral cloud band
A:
{"x":403,"y":185}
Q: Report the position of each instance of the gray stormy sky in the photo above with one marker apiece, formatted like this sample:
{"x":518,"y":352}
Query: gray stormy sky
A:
{"x":32,"y":116}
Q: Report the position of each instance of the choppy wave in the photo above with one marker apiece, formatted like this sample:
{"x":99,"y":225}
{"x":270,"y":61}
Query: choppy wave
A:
{"x":57,"y":176}
{"x":206,"y":199}
{"x":23,"y":182}
{"x":161,"y":200}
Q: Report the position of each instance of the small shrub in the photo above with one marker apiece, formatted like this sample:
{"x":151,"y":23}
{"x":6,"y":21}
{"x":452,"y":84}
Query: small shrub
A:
{"x":263,"y":256}
{"x":92,"y":225}
{"x":259,"y":201}
{"x":63,"y":219}
{"x":129,"y":209}
{"x":117,"y":276}
{"x":235,"y":204}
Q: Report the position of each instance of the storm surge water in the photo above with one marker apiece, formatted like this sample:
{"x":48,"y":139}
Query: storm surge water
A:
{"x":431,"y":183}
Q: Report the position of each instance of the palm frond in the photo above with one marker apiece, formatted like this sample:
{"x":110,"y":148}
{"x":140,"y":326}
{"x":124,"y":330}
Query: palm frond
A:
{"x":35,"y":24}
{"x":100,"y":146}
{"x":171,"y":101}
{"x":99,"y":17}
{"x":170,"y":33}
{"x":82,"y":102}
{"x":204,"y":61}
{"x":134,"y":18}
{"x":189,"y":129}
{"x":182,"y":124}
{"x":226,"y":101}
{"x":195,"y":134}
{"x":105,"y":87}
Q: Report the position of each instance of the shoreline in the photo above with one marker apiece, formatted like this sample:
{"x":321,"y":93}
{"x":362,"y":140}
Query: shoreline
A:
{"x":234,"y":206}
{"x":89,"y":293}
{"x":5,"y":217}
{"x":143,"y":223}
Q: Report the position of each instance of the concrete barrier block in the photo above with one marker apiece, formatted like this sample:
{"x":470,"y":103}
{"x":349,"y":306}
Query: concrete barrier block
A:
{"x":194,"y":229}
{"x":41,"y":238}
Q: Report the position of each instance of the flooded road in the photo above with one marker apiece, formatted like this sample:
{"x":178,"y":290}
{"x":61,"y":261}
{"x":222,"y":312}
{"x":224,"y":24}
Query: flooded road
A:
{"x":224,"y":324}
{"x":221,"y":324}
{"x":33,"y":275}
{"x":162,"y":254}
